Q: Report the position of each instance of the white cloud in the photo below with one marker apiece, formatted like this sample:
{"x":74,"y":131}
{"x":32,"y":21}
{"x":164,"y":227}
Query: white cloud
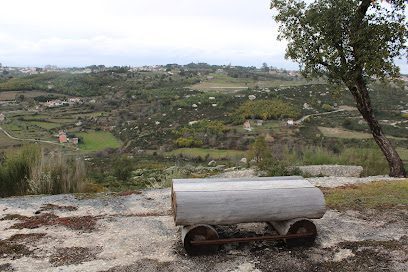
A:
{"x":124,"y":32}
{"x":137,"y":32}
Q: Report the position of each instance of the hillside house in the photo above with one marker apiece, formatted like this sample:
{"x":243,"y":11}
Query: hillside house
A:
{"x":2,"y":117}
{"x":290,"y":122}
{"x":247,"y":125}
{"x":74,"y":141}
{"x":55,"y":103}
{"x":62,"y":137}
{"x":74,"y":100}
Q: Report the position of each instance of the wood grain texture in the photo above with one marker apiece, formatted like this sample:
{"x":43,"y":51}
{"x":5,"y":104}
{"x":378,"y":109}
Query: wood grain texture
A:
{"x":245,"y":200}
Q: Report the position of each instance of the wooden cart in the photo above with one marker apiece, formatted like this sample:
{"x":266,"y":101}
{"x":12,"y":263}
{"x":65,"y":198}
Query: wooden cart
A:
{"x":286,"y":203}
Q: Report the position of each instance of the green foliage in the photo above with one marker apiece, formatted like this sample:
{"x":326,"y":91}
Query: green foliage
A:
{"x":122,"y":168}
{"x":201,"y":99}
{"x":30,"y":171}
{"x":317,"y":156}
{"x":405,"y":115}
{"x":203,"y":126}
{"x":272,"y":164}
{"x":15,"y":171}
{"x":327,"y":107}
{"x":371,"y":159}
{"x":200,"y":133}
{"x":207,"y":153}
{"x":349,"y":42}
{"x":332,"y":38}
{"x":66,"y":83}
{"x":275,"y":167}
{"x":45,"y":98}
{"x":57,"y":174}
{"x":188,"y":142}
{"x":266,"y":109}
{"x":93,"y":141}
{"x":259,"y":150}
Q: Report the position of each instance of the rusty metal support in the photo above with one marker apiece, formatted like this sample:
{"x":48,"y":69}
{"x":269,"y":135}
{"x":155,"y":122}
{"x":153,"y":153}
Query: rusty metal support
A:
{"x":251,"y":239}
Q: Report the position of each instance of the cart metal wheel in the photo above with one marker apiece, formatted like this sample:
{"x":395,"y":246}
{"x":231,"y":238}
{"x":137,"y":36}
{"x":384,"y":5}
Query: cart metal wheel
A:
{"x":199,"y":233}
{"x":299,"y":227}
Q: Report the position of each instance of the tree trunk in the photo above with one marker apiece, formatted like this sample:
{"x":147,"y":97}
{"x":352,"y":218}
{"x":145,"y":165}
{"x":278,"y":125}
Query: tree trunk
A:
{"x":360,"y":92}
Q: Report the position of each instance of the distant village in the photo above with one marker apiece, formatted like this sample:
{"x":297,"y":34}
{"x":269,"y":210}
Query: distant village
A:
{"x":76,"y":70}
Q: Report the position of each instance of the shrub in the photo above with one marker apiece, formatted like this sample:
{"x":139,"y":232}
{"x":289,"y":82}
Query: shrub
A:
{"x":327,"y":107}
{"x":122,"y":168}
{"x":317,"y":156}
{"x":371,"y":159}
{"x":188,"y":142}
{"x":15,"y":171}
{"x":275,"y":167}
{"x":200,"y":133}
{"x":57,"y":174}
{"x":258,"y":150}
{"x":30,"y":171}
{"x":266,"y":109}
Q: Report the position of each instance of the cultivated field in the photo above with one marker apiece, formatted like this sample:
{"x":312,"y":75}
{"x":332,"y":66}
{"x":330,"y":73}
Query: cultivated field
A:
{"x":97,"y":141}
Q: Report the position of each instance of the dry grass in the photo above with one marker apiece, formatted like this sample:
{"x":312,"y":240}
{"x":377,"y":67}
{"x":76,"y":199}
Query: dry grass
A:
{"x":349,"y":134}
{"x":343,"y":134}
{"x":376,"y":195}
{"x":56,"y":174}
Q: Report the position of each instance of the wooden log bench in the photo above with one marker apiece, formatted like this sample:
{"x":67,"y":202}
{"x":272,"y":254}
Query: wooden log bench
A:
{"x":286,"y":203}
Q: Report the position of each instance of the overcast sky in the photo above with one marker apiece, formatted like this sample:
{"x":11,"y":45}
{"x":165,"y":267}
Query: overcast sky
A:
{"x":139,"y":32}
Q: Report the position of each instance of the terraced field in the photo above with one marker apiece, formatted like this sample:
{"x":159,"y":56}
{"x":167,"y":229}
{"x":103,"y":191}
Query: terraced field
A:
{"x":98,"y":140}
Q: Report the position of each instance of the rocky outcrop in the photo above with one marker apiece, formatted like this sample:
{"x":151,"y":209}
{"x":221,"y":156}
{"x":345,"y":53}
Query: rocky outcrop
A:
{"x":332,"y":170}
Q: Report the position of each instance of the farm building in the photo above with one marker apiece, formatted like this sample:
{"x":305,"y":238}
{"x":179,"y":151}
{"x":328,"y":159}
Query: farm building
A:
{"x":247,"y":125}
{"x":62,"y":137}
{"x":290,"y":122}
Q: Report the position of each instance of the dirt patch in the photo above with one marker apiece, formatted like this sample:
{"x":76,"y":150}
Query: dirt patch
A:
{"x":74,"y":255}
{"x":53,"y":207}
{"x":14,"y":247}
{"x":13,"y":250}
{"x":149,"y":214}
{"x":359,"y":256}
{"x":363,"y":260}
{"x":388,"y":245}
{"x":26,"y":237}
{"x":83,"y":223}
{"x":143,"y":265}
{"x":6,"y":267}
{"x":128,"y":193}
{"x":13,"y":217}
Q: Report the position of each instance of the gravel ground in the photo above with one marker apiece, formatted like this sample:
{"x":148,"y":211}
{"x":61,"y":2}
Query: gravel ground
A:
{"x":135,"y":232}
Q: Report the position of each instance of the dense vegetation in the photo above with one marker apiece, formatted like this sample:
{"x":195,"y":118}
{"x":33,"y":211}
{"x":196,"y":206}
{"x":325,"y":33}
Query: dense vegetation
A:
{"x":145,"y":127}
{"x":266,"y":109}
{"x":30,"y":171}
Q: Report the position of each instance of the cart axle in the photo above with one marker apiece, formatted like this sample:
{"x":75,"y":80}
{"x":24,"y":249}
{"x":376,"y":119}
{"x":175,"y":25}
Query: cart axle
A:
{"x":250,"y":239}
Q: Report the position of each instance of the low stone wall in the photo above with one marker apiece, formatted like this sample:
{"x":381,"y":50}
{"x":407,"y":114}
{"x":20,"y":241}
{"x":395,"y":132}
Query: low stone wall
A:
{"x":332,"y":170}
